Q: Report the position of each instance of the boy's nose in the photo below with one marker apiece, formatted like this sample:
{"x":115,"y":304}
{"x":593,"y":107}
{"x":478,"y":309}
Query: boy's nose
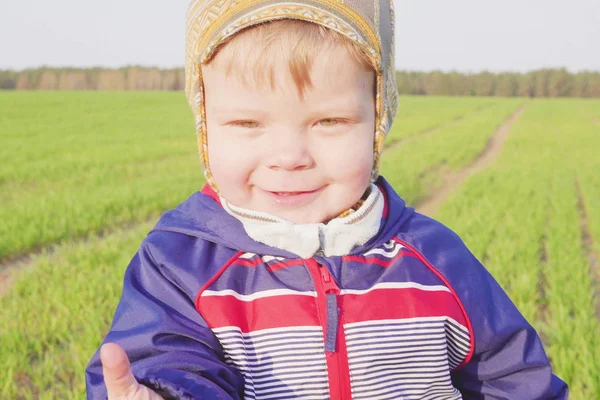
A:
{"x":290,"y":153}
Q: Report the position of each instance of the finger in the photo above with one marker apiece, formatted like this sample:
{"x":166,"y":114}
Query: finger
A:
{"x":118,"y":377}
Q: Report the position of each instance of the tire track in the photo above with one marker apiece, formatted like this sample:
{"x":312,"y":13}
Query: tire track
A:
{"x":9,"y":267}
{"x":588,"y":245}
{"x":451,"y":181}
{"x":592,"y":116}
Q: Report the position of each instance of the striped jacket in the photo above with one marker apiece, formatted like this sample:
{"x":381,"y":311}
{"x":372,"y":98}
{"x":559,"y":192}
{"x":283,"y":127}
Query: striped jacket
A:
{"x":208,"y":313}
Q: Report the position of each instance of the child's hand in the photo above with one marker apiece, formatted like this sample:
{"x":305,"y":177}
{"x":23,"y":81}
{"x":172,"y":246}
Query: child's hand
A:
{"x":119,"y":380}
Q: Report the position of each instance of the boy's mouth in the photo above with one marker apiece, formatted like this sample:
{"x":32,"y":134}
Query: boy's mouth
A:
{"x":289,"y":193}
{"x":294,"y":198}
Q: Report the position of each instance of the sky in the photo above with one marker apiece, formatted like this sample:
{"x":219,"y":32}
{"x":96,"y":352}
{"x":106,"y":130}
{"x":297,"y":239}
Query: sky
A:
{"x":461,"y":35}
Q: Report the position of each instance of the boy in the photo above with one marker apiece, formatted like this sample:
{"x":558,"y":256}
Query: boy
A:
{"x":297,"y":272}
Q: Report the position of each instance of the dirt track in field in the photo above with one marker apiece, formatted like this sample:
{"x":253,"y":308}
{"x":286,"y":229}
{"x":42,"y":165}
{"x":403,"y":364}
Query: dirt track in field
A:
{"x":10,"y":266}
{"x":588,"y":246}
{"x":451,"y":181}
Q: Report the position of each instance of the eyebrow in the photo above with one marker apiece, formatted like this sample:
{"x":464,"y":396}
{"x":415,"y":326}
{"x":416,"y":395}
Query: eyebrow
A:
{"x":342,"y":108}
{"x":237,"y":110}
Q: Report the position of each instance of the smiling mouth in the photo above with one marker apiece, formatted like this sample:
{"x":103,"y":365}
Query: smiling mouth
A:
{"x":286,"y":194}
{"x":294,"y":198}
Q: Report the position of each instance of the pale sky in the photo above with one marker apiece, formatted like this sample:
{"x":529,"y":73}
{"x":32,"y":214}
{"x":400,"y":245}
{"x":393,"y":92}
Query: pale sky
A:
{"x":463,"y":35}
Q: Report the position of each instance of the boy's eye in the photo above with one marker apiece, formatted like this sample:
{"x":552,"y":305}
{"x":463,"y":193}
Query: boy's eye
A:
{"x":247,"y":124}
{"x":329,"y":122}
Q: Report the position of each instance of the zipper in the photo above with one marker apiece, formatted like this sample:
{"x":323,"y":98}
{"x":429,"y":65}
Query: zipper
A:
{"x":328,"y":298}
{"x":327,"y":294}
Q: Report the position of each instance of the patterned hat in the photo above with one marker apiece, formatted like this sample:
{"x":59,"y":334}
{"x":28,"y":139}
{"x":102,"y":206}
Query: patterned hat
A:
{"x":369,"y":23}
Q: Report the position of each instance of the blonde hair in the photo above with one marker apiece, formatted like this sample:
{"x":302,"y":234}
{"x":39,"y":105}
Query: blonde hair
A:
{"x":262,"y":46}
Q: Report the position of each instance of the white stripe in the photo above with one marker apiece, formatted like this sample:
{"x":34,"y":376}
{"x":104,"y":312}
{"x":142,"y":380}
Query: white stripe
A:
{"x":435,"y":394}
{"x":383,"y":367}
{"x":429,"y":395}
{"x":281,"y":332}
{"x":436,"y":360}
{"x":280,"y":360}
{"x":407,"y":390}
{"x":374,"y":354}
{"x":395,"y":323}
{"x":458,"y":345}
{"x":282,"y":351}
{"x":460,"y":333}
{"x":247,"y":256}
{"x":297,"y":393}
{"x":430,"y":354}
{"x":258,"y":344}
{"x":289,"y":374}
{"x":305,"y":383}
{"x":394,"y":343}
{"x":401,"y":374}
{"x":413,"y":379}
{"x":398,"y":285}
{"x":396,"y":336}
{"x":382,"y":252}
{"x":257,"y":295}
{"x":293,"y":368}
{"x":271,"y":258}
{"x":420,"y":321}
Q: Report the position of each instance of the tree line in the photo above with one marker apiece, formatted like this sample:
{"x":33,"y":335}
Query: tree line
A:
{"x":539,"y":83}
{"x":126,"y":78}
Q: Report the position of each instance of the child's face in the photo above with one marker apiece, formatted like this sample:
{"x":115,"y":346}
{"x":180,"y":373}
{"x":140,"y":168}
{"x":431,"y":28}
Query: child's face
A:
{"x":303,"y":160}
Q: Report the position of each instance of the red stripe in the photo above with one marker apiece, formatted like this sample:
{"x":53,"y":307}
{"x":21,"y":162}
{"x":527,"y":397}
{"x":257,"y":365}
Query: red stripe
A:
{"x":264,"y":313}
{"x":465,"y":317}
{"x":214,"y":278}
{"x":386,"y":207}
{"x":380,"y":304}
{"x":249,"y":263}
{"x":378,"y":261}
{"x":272,"y":267}
{"x":285,"y":264}
{"x":210,"y":192}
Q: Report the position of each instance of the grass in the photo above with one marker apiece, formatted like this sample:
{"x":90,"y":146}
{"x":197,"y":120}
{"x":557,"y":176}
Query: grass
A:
{"x":57,"y":313}
{"x":417,"y":115}
{"x":77,"y":163}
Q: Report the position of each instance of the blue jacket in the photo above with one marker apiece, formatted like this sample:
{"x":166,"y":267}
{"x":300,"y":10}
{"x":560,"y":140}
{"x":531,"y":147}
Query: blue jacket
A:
{"x":208,"y":313}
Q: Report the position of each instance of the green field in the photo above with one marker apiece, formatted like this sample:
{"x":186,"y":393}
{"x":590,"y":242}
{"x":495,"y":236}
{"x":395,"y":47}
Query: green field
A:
{"x":85,"y":175}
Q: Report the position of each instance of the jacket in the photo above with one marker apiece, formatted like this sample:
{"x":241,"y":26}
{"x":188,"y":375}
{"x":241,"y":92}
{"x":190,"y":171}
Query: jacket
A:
{"x":208,"y":313}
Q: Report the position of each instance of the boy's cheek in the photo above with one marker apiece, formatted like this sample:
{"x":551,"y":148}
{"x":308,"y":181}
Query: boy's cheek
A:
{"x":229,"y":164}
{"x":350,"y":162}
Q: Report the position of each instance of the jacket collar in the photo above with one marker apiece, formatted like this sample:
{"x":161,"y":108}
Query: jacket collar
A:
{"x":334,"y":238}
{"x":203,"y":216}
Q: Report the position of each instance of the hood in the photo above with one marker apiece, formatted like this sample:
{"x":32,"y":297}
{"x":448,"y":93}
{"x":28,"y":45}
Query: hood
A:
{"x":202,"y":216}
{"x":369,"y":23}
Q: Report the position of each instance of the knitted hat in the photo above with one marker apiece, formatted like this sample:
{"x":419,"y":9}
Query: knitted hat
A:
{"x":369,"y":23}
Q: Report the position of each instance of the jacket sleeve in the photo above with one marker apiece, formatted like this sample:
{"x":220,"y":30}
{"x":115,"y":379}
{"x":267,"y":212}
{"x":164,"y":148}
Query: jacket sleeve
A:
{"x":170,"y":346}
{"x":509,"y":361}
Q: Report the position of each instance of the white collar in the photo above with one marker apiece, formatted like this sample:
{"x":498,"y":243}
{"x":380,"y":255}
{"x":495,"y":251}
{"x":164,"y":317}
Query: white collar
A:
{"x":336,"y":238}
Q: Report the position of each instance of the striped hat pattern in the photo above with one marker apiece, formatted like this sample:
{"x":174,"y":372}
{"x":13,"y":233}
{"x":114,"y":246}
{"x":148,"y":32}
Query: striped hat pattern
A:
{"x":369,"y":23}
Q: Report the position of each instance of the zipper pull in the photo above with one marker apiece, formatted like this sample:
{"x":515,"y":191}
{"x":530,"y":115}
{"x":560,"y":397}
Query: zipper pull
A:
{"x":328,"y":283}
